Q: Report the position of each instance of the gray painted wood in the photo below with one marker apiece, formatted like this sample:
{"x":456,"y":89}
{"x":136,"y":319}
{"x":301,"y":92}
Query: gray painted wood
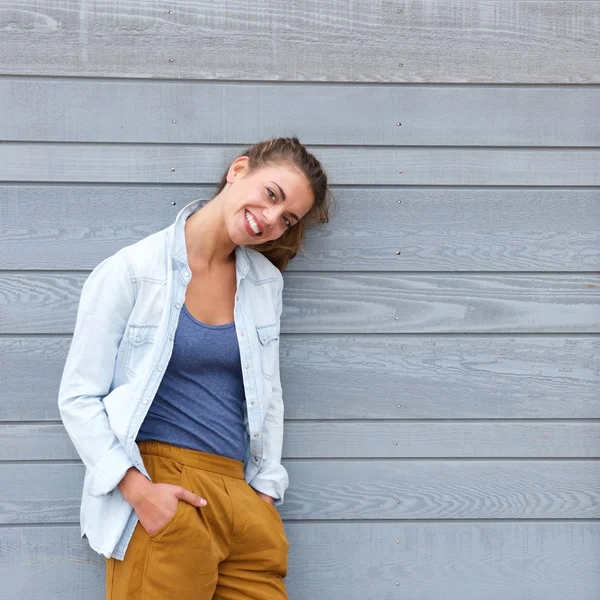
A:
{"x":431,"y":409}
{"x":77,"y":226}
{"x":310,"y":439}
{"x":494,"y":41}
{"x":58,"y":110}
{"x":382,"y":377}
{"x":359,"y":303}
{"x":49,"y":492}
{"x":150,"y":163}
{"x":429,"y":560}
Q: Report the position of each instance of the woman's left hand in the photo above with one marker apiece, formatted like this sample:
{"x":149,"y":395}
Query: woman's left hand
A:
{"x":266,"y":498}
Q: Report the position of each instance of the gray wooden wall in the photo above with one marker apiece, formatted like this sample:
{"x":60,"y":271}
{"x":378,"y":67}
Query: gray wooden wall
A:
{"x":440,"y":347}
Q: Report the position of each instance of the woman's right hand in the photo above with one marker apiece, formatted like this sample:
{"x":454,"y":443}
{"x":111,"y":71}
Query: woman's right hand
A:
{"x":155,"y":503}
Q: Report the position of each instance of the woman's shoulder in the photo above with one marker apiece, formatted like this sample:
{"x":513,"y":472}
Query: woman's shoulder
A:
{"x":147,"y":257}
{"x":261,"y":268}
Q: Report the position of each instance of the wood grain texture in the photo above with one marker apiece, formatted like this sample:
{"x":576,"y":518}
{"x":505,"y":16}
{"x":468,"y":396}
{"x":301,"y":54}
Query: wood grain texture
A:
{"x":375,"y":377}
{"x":67,"y":110}
{"x":520,"y":561}
{"x":358,"y":303}
{"x":49,"y":441}
{"x":76,"y":226}
{"x":48,"y":492}
{"x":439,"y":346}
{"x":150,"y":163}
{"x":494,"y":41}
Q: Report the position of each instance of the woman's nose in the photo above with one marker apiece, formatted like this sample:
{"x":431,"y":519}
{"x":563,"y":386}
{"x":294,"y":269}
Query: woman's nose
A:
{"x":270,"y":216}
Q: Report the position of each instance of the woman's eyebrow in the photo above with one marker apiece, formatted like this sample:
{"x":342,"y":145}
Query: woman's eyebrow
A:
{"x":280,"y":190}
{"x":284,"y":197}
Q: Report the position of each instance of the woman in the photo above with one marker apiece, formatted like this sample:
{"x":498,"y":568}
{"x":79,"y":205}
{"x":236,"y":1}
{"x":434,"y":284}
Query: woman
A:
{"x":171,"y":391}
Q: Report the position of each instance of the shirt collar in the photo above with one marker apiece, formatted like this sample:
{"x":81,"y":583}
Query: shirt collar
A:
{"x":178,"y":248}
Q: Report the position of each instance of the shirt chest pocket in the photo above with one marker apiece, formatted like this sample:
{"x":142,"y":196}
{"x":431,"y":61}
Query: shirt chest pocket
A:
{"x":139,"y":343}
{"x":268,"y":336}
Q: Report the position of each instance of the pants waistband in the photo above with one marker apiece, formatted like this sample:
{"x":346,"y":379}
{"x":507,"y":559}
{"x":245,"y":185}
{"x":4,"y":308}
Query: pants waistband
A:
{"x":194,"y":458}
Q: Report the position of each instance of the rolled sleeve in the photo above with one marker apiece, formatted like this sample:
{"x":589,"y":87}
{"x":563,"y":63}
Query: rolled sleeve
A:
{"x":273,"y":479}
{"x":109,"y":470}
{"x":106,"y":302}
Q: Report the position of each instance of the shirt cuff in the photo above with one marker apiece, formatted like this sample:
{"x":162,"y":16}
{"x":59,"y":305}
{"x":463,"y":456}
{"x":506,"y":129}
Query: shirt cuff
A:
{"x":271,"y":480}
{"x":109,"y":470}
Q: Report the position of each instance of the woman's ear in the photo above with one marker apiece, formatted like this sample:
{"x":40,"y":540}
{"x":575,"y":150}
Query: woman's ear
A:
{"x":238,"y":168}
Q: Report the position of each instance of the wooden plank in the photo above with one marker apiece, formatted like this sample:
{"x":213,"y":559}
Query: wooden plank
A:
{"x":375,"y":377}
{"x":171,"y":163}
{"x":31,"y":370}
{"x":67,"y":110}
{"x":436,"y":440}
{"x":49,"y":562}
{"x":495,"y":41}
{"x":49,"y":441}
{"x":358,"y":303}
{"x":75,"y":227}
{"x":48,"y":492}
{"x":386,"y":303}
{"x":470,"y":561}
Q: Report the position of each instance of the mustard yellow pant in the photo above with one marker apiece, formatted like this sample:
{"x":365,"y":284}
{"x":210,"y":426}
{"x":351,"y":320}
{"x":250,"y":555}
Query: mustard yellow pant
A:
{"x":234,"y":548}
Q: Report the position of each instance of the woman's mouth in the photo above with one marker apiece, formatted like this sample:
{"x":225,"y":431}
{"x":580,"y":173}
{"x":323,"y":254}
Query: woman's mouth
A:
{"x":253,"y":224}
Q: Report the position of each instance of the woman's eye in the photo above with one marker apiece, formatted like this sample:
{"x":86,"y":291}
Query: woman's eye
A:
{"x":273,"y":196}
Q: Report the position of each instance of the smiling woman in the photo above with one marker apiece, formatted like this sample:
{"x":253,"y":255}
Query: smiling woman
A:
{"x":171,"y":390}
{"x":283,"y":173}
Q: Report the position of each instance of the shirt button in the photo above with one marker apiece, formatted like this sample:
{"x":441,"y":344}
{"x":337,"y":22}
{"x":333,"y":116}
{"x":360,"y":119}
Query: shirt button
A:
{"x":145,"y":402}
{"x":245,"y":366}
{"x":252,"y":403}
{"x":177,"y":305}
{"x":170,"y":337}
{"x":256,"y":435}
{"x":159,"y":368}
{"x":256,"y":459}
{"x":138,"y":339}
{"x":130,"y":435}
{"x":186,"y":274}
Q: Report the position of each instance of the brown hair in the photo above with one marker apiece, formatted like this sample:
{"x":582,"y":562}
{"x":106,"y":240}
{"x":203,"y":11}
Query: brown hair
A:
{"x":289,"y":151}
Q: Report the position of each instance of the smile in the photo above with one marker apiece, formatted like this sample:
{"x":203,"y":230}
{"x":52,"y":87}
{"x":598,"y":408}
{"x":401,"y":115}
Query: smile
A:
{"x":253,"y":225}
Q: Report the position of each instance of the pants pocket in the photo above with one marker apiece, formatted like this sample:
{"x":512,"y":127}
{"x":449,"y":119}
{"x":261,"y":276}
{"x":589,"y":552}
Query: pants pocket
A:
{"x":272,"y":509}
{"x":275,"y":518}
{"x":171,"y":523}
{"x":178,"y":561}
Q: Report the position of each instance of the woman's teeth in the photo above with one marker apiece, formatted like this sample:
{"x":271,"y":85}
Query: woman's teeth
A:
{"x":252,"y":223}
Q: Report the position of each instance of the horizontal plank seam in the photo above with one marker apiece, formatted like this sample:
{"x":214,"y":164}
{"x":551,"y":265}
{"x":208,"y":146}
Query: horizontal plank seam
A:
{"x":75,"y":524}
{"x":348,"y":186}
{"x":375,"y":334}
{"x":288,"y":83}
{"x":242,"y":146}
{"x":371,"y":273}
{"x":300,"y":272}
{"x":363,"y":334}
{"x":369,"y":459}
{"x":70,"y":182}
{"x":382,"y":421}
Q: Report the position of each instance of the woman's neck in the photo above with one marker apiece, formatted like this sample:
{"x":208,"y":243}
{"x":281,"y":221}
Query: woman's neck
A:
{"x":207,"y":242}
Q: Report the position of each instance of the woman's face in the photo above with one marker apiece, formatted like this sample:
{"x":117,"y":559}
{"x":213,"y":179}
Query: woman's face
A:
{"x":261,"y":205}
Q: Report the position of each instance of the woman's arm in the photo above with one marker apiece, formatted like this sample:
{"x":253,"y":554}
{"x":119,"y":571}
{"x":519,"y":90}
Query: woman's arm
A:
{"x":106,"y":302}
{"x":272,"y":480}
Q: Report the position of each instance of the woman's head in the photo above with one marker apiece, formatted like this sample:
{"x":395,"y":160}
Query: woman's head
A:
{"x":272,"y":192}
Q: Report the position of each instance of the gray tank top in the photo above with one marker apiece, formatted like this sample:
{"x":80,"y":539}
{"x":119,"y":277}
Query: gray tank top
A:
{"x":200,"y":403}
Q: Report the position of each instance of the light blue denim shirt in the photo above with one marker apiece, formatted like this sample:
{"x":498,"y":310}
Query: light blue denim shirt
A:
{"x":122,"y":343}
